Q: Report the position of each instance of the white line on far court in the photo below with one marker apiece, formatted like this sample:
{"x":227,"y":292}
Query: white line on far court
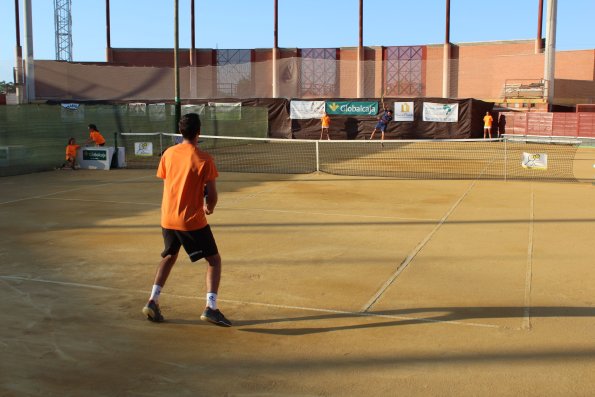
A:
{"x":238,"y":302}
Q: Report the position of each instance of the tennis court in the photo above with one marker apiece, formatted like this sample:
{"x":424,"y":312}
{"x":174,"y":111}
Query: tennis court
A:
{"x":336,"y":285}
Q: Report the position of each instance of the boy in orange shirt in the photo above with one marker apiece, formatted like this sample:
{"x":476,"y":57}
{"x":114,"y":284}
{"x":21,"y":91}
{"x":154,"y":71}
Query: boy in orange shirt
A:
{"x":487,"y":125}
{"x":186,"y":171}
{"x":95,"y":136}
{"x":71,"y":149}
{"x":326,"y":123}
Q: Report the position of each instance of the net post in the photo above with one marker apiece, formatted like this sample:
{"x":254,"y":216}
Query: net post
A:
{"x":317,"y":157}
{"x":505,"y":161}
{"x":160,"y":144}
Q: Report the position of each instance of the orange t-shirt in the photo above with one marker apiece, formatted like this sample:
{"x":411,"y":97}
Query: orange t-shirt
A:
{"x":326,"y":121}
{"x":71,"y":151}
{"x":487,"y":120}
{"x":97,"y":137}
{"x":185,"y":170}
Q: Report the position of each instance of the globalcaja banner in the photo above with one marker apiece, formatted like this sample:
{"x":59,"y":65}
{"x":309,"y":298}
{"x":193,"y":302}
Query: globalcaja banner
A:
{"x":300,"y":110}
{"x":441,"y":112}
{"x":352,"y":108}
{"x":403,"y":111}
{"x":90,"y":154}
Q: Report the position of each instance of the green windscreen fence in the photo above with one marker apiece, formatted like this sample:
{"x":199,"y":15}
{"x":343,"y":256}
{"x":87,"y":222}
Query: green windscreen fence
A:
{"x":33,"y":137}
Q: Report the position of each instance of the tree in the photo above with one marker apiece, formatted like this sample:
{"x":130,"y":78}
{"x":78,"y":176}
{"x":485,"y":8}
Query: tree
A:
{"x":7,"y":87}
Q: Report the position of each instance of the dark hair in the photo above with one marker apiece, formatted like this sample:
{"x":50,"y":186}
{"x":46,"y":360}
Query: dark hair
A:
{"x":93,"y":127}
{"x":70,"y":141}
{"x":189,"y":126}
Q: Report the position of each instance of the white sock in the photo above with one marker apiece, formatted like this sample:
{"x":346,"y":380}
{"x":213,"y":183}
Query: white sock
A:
{"x":212,"y":300}
{"x":155,"y":292}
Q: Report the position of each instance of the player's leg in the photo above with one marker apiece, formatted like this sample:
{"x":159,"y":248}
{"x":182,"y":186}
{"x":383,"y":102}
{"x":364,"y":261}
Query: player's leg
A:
{"x":169,"y":257}
{"x":164,"y":268}
{"x":211,"y":313}
{"x":213,"y":276}
{"x":201,"y":244}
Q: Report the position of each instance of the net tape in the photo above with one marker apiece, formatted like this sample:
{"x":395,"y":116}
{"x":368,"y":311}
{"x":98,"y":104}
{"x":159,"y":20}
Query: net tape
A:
{"x":498,"y":158}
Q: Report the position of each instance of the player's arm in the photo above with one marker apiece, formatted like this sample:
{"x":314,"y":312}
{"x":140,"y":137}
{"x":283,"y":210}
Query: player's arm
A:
{"x":211,"y":199}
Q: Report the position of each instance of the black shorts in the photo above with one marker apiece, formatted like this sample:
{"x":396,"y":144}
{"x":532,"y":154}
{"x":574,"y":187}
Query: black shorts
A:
{"x":198,"y":244}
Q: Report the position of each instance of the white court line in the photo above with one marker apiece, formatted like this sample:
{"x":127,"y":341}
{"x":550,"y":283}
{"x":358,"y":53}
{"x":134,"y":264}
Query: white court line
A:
{"x":328,"y":214}
{"x":223,"y":207}
{"x":413,"y":253}
{"x":301,"y":308}
{"x":73,"y":190}
{"x":158,"y":204}
{"x":529,"y":274}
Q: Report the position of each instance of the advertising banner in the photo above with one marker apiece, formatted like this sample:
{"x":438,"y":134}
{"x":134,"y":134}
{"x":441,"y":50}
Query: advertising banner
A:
{"x":534,"y":161}
{"x":95,"y":154}
{"x":198,"y":109}
{"x":72,"y":112}
{"x":144,"y":149}
{"x":225,"y":110}
{"x":404,"y":111}
{"x":352,"y":108}
{"x":441,"y":112}
{"x":300,"y":110}
{"x":157,"y":111}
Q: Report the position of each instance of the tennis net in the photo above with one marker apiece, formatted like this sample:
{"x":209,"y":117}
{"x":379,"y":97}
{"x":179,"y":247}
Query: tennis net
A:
{"x":513,"y":157}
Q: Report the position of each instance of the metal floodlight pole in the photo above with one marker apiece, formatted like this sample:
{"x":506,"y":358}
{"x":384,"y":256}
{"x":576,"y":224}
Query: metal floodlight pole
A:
{"x":538,"y":43}
{"x":177,"y":104}
{"x":29,"y":59}
{"x":360,"y":52}
{"x":18,"y":70}
{"x":63,"y":29}
{"x":550,"y":51}
{"x":275,"y":54}
{"x":446,"y":55}
{"x":108,"y":33}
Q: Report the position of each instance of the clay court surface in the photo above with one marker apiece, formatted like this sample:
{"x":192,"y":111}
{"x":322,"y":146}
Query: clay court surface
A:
{"x":337,"y":286}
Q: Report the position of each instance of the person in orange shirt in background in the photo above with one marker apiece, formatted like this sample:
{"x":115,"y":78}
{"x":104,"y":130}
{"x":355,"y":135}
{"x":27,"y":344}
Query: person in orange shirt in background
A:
{"x":186,"y":171}
{"x":95,"y":136}
{"x":71,"y":149}
{"x":326,"y":123}
{"x":487,"y":125}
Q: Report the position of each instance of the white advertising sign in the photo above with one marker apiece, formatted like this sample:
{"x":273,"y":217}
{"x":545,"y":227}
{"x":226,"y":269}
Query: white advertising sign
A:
{"x":306,"y":109}
{"x":404,"y":111}
{"x":441,"y":112}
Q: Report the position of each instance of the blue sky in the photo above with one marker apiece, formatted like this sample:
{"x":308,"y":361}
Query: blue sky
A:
{"x":235,"y":24}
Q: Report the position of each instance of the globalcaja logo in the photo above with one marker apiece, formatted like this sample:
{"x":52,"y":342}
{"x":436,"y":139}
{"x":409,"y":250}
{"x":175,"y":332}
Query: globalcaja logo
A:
{"x":352,"y":108}
{"x":100,"y":155}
